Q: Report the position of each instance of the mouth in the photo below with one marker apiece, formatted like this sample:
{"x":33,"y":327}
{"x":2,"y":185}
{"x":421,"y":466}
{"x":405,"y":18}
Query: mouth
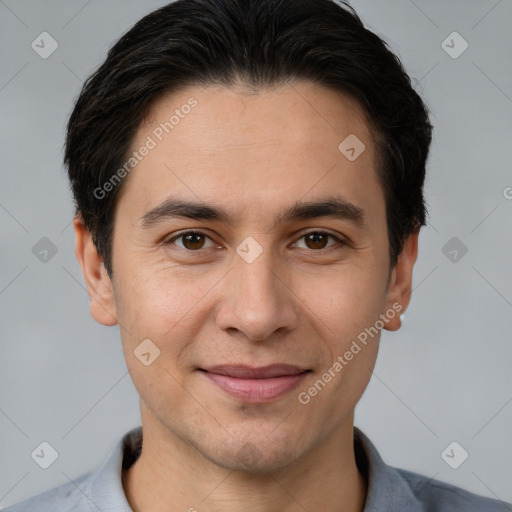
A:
{"x":256,"y":385}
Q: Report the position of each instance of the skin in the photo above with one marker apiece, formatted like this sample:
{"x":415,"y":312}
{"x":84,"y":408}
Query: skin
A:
{"x":254,"y":154}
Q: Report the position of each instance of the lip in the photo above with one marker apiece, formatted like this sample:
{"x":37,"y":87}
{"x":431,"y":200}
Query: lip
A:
{"x":256,"y":385}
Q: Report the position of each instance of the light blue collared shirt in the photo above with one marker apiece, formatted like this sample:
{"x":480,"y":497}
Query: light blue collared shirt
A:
{"x":389,"y":489}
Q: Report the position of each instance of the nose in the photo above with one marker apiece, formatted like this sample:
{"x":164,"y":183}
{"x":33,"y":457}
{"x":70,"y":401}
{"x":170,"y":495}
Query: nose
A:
{"x":257,"y":300}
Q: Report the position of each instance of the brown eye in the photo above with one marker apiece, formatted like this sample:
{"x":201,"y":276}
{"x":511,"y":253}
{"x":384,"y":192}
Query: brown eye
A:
{"x":191,"y":240}
{"x":317,"y":240}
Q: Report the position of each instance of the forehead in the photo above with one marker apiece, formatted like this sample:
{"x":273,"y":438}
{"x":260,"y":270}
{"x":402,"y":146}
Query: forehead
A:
{"x":254,"y":148}
{"x":297,"y":114}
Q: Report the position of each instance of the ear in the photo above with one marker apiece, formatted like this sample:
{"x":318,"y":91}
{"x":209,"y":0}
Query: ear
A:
{"x":400,"y":285}
{"x":97,"y":280}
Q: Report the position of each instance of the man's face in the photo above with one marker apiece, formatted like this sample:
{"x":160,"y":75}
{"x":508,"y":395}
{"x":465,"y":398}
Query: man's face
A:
{"x":252,"y":290}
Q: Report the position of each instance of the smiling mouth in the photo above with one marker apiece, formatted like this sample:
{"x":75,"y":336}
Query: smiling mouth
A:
{"x":256,"y":385}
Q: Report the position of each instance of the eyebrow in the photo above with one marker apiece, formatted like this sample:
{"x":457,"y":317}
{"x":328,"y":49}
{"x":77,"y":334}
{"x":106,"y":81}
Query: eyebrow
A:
{"x":335,"y":207}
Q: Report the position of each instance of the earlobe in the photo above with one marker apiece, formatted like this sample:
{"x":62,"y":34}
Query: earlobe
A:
{"x":400,"y":287}
{"x":97,"y":280}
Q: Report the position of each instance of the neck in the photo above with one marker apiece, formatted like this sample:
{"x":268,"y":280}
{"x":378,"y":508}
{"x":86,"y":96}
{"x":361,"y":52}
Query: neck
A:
{"x":170,"y":475}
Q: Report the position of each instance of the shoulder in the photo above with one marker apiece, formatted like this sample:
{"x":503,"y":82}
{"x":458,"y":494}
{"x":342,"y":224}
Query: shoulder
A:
{"x":439,"y":496}
{"x":99,"y":489}
{"x":70,"y":496}
{"x":392,"y":489}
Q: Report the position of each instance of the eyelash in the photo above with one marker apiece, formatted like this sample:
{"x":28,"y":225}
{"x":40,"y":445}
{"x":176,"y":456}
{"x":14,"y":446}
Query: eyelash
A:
{"x":327,"y":233}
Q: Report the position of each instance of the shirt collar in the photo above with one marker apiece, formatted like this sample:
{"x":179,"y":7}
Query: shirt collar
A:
{"x":387,"y":489}
{"x":106,"y":487}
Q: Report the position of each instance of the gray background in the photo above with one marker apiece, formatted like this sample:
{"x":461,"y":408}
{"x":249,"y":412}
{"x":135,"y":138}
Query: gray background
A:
{"x":444,"y":377}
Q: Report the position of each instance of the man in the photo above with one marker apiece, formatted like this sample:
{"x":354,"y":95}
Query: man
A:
{"x":248,"y":178}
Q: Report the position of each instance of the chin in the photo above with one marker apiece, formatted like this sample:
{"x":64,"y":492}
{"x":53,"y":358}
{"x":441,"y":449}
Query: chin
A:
{"x":256,"y":456}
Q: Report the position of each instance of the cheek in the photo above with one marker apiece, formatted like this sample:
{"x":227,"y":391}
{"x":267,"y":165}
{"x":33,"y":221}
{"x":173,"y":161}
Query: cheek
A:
{"x":344,"y":309}
{"x":157,"y":327}
{"x":350,"y":352}
{"x":345,"y":299}
{"x":155,"y":299}
{"x":164,"y":307}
